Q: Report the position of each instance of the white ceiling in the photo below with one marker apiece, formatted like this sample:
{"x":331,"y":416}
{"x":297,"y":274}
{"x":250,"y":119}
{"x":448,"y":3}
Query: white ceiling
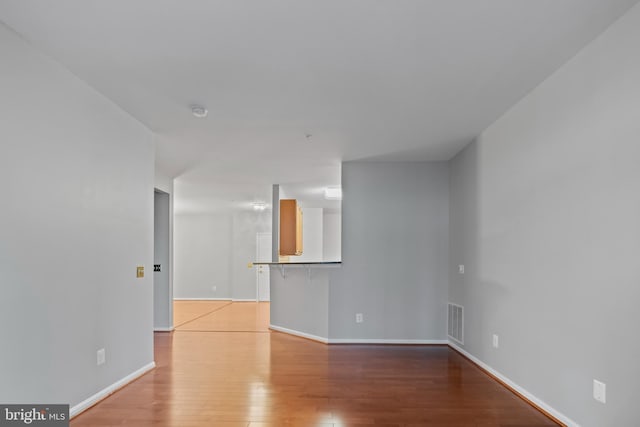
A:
{"x":369,"y":79}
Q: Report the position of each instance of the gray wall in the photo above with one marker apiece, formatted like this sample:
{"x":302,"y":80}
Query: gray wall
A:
{"x":395,"y":237}
{"x":545,"y":214}
{"x":203,"y":256}
{"x":331,"y":236}
{"x":214,"y":250}
{"x":77,"y":218}
{"x":300,"y":302}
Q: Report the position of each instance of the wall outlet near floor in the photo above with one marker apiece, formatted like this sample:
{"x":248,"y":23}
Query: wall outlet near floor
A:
{"x":214,"y":288}
{"x":496,"y":342}
{"x":101,"y":357}
{"x":461,"y":269}
{"x":359,"y":318}
{"x":599,"y":391}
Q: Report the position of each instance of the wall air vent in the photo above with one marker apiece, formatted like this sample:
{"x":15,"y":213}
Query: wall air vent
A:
{"x":455,"y":324}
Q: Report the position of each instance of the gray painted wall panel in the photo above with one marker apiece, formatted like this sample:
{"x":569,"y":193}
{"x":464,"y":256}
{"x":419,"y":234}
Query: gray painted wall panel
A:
{"x":77,"y":218}
{"x":300,"y":303}
{"x":214,"y":250}
{"x":545,"y":211}
{"x":395,"y":237}
{"x":203,"y":256}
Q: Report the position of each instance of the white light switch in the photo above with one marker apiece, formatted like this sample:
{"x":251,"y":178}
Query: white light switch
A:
{"x":599,"y":391}
{"x":496,"y":343}
{"x":461,"y":269}
{"x":100,"y":357}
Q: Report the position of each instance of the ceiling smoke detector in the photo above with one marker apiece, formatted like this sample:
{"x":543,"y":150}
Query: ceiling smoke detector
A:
{"x":199,"y":111}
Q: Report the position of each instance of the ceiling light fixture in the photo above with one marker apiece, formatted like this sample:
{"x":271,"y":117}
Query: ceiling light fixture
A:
{"x":333,"y":193}
{"x":199,"y":111}
{"x":259,"y":206}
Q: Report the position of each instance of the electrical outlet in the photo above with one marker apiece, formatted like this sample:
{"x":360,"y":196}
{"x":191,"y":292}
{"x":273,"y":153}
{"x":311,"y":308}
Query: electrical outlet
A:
{"x":461,"y":269}
{"x":496,"y":342}
{"x":599,"y":391}
{"x":214,"y":288}
{"x":101,"y":357}
{"x":359,"y":318}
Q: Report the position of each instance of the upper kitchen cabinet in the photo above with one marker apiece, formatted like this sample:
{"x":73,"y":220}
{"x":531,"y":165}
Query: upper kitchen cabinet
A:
{"x":290,"y":228}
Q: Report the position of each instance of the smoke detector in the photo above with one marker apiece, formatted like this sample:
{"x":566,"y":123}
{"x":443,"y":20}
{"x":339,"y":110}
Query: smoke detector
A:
{"x":199,"y":111}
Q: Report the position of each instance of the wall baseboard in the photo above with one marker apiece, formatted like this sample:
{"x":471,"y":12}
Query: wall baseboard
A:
{"x":357,"y":340}
{"x":243,"y":300}
{"x":521,"y":392}
{"x":163,"y":329}
{"x":202,"y":299}
{"x":386,"y":341}
{"x":106,"y":392}
{"x":299,"y":334}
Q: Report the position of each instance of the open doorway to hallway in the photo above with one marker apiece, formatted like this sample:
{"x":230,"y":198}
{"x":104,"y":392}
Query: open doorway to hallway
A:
{"x":162,"y":289}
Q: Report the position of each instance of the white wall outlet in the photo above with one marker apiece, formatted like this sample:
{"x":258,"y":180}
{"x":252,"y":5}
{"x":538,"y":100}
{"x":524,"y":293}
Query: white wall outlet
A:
{"x":359,"y":318}
{"x":496,"y":342}
{"x":461,"y":269}
{"x":101,"y":357}
{"x":214,"y":288}
{"x":599,"y":391}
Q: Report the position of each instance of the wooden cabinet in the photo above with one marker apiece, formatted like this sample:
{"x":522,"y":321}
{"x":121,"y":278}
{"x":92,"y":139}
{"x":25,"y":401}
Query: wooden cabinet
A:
{"x":290,"y":228}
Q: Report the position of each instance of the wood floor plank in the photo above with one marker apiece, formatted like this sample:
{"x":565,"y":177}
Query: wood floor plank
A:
{"x":235,"y":317}
{"x":272,"y":379}
{"x":186,"y":311}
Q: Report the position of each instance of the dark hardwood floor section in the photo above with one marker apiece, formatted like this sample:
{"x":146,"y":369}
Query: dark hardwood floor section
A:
{"x":273,"y":379}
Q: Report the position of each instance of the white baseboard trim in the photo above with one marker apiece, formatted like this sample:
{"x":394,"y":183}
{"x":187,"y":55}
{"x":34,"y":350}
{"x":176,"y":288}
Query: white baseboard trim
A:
{"x":299,"y":334}
{"x":356,"y":340}
{"x":243,"y":300}
{"x":518,"y":389}
{"x":202,"y":299}
{"x":385,"y":341}
{"x":163,"y":329}
{"x":89,"y":402}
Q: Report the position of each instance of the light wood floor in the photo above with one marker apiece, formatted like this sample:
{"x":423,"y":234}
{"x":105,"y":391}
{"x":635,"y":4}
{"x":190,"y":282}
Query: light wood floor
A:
{"x":221,"y":316}
{"x":220,"y":378}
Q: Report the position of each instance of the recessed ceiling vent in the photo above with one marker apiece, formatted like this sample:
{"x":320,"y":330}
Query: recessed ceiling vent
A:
{"x":455,"y":324}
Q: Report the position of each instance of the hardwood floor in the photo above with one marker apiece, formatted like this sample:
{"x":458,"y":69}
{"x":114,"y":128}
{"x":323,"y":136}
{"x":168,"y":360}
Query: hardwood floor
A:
{"x":187,"y":311}
{"x":225,"y":317}
{"x":262,"y":378}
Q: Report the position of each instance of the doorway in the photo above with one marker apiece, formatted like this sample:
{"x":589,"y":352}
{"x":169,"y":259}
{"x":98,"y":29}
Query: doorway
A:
{"x":263,"y":254}
{"x":162,"y":293}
